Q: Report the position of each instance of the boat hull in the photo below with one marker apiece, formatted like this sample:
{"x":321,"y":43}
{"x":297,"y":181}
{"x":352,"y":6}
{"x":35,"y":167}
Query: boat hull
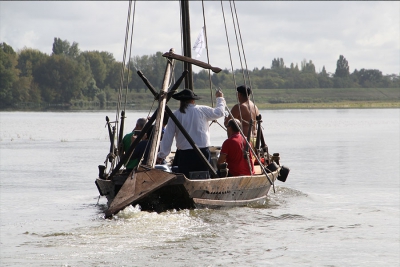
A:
{"x":184,"y":193}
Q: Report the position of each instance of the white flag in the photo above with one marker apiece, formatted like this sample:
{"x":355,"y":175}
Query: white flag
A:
{"x":199,"y":44}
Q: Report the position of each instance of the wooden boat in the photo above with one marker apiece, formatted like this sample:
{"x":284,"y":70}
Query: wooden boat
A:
{"x":157,"y":188}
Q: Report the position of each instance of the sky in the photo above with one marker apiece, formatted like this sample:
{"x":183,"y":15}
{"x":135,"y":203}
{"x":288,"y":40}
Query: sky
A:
{"x":366,"y":33}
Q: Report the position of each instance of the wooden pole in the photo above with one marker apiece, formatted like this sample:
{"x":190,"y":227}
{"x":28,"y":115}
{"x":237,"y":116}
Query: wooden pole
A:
{"x":151,"y":161}
{"x":191,"y":142}
{"x":177,"y":123}
{"x":133,"y":145}
{"x":121,"y":134}
{"x":187,"y":47}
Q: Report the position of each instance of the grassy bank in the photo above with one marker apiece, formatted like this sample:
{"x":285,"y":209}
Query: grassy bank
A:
{"x":318,"y":98}
{"x":292,"y":98}
{"x":264,"y":99}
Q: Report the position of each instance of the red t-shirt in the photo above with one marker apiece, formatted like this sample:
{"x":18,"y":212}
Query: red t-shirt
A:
{"x":233,"y":148}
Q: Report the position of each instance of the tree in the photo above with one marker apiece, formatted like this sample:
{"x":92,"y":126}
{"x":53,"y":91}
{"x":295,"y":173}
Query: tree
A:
{"x":73,"y":50}
{"x":201,"y":79}
{"x":113,"y":79}
{"x":60,"y":47}
{"x":369,"y":78}
{"x":323,"y":72}
{"x":342,"y":68}
{"x":97,"y":66}
{"x":153,"y":68}
{"x":63,"y":47}
{"x":61,"y":79}
{"x":113,"y":70}
{"x":307,"y":66}
{"x":28,"y":60}
{"x":8,"y":74}
{"x":324,"y":80}
{"x":277,"y":63}
{"x":342,"y":74}
{"x":91,"y":90}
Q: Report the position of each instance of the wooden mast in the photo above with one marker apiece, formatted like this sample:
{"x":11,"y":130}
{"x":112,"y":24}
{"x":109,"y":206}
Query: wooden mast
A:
{"x":151,"y":161}
{"x":187,"y":47}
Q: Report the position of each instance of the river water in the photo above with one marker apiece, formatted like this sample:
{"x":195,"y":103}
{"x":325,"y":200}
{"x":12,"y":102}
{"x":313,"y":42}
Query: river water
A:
{"x":339,"y":206}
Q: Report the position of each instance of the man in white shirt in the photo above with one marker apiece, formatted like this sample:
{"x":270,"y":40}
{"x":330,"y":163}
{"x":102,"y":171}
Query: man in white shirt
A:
{"x":195,"y":119}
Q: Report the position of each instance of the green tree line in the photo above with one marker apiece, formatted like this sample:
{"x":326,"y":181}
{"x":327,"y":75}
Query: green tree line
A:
{"x":68,"y":74}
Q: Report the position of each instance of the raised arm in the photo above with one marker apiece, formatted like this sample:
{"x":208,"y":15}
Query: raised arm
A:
{"x":214,"y":113}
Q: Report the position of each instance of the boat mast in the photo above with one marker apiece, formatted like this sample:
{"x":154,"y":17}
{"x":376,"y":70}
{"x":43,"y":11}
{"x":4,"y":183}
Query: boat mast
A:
{"x":187,"y":47}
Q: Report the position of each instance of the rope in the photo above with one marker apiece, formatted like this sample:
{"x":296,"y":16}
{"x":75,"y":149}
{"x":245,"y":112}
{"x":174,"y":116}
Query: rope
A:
{"x":227,"y":40}
{"x":230,"y":57}
{"x":123,"y":60}
{"x":130,"y":53}
{"x":208,"y":56}
{"x":122,"y":73}
{"x":264,"y":169}
{"x":237,"y":41}
{"x":241,"y":63}
{"x":250,"y":108}
{"x":223,"y":127}
{"x":244,"y":55}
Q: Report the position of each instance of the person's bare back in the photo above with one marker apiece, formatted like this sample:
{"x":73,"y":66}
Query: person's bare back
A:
{"x":244,"y":112}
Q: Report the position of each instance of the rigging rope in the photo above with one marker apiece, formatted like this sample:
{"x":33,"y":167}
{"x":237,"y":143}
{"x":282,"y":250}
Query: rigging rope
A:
{"x":122,"y":73}
{"x":130,"y":53}
{"x":208,"y":56}
{"x":250,"y":107}
{"x":233,"y":73}
{"x":244,"y":54}
{"x":129,"y":28}
{"x":230,"y":57}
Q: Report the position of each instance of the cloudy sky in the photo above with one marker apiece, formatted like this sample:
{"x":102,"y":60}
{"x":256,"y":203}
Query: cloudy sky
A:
{"x":367,"y":34}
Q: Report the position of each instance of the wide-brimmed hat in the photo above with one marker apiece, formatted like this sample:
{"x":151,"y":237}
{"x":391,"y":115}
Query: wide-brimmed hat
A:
{"x":244,"y":90}
{"x":186,"y":94}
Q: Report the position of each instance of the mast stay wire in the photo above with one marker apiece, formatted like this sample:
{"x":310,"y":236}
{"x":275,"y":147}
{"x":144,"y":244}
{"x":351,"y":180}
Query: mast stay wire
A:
{"x":122,"y":72}
{"x":234,"y":79}
{"x":130,"y":53}
{"x":240,"y":57}
{"x":250,"y":108}
{"x":208,"y":55}
{"x":230,"y":56}
{"x":129,"y":28}
{"x":244,"y":54}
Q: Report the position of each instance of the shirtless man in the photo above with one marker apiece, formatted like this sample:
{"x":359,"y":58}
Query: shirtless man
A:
{"x":244,"y":108}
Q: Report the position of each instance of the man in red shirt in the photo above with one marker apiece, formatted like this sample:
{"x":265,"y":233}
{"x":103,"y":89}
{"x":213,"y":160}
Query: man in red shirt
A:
{"x":232,"y":152}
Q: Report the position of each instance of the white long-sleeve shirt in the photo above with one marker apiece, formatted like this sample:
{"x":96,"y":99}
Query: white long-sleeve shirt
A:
{"x":196,"y":123}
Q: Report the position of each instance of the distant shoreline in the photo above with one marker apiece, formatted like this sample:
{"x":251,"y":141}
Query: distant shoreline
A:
{"x":332,"y":98}
{"x":263,"y":106}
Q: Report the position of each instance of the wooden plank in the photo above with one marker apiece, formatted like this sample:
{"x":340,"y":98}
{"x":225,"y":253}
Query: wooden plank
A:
{"x":139,"y":184}
{"x":226,"y":203}
{"x":230,"y":183}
